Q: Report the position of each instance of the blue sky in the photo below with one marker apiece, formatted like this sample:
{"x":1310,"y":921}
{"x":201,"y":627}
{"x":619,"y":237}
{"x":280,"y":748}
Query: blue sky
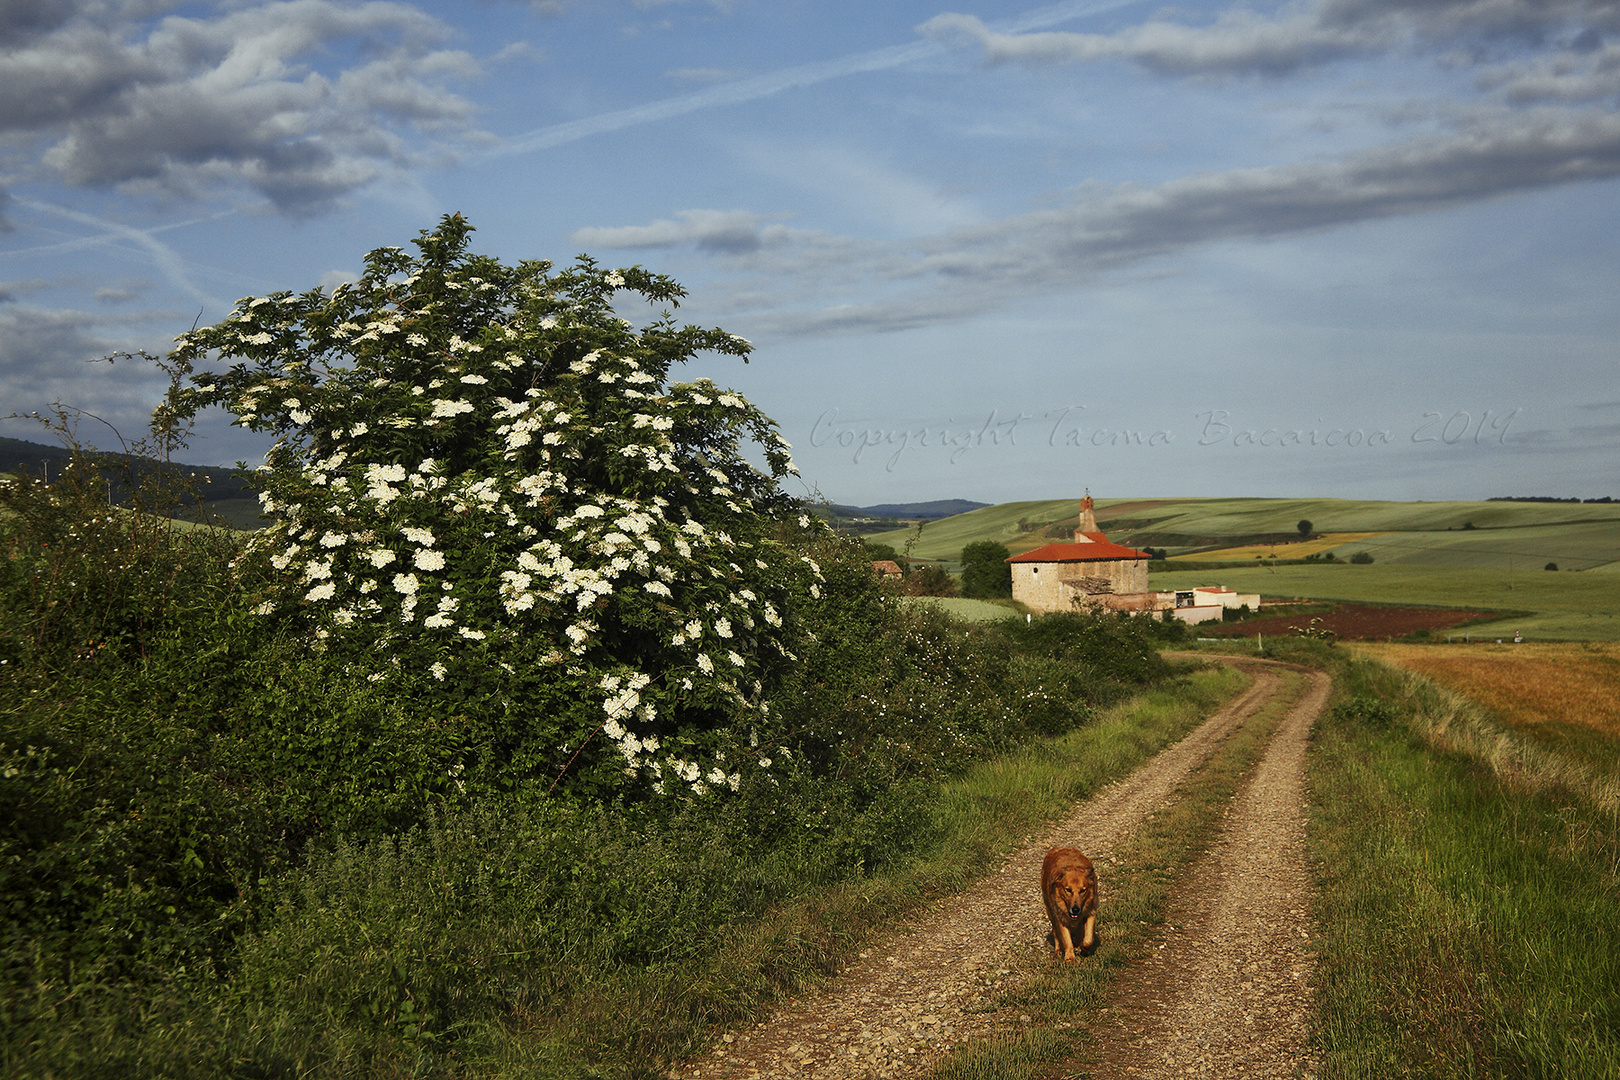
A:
{"x":996,"y":251}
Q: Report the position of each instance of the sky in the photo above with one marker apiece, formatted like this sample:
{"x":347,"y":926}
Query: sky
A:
{"x":985,"y":250}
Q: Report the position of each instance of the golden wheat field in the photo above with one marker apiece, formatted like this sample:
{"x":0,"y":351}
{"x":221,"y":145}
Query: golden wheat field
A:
{"x":1527,"y":685}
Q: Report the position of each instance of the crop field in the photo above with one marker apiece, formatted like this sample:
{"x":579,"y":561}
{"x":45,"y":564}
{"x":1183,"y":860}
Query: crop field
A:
{"x":1472,"y":556}
{"x":1505,"y":534}
{"x":1543,"y":605}
{"x":1564,"y":696}
{"x":1339,"y":543}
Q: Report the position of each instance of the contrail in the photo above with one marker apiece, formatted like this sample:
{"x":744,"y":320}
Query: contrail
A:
{"x":788,"y":78}
{"x":167,"y":259}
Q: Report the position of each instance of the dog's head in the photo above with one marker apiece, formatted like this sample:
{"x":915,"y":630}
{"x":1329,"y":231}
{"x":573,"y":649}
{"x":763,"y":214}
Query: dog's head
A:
{"x":1073,"y":889}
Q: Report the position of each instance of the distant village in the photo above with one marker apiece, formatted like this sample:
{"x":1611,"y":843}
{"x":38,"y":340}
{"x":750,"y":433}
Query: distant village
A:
{"x":1092,"y":573}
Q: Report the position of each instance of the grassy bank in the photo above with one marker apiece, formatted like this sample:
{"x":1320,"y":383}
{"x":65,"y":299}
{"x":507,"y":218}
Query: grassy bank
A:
{"x":1562,"y":697}
{"x":1141,"y":896}
{"x":1469,"y":908}
{"x":434,"y":930}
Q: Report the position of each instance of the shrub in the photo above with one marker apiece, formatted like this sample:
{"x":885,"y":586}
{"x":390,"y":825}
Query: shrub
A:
{"x":1551,"y":566}
{"x":488,"y":494}
{"x":1362,"y":558}
{"x":928,"y":580}
{"x":985,"y":570}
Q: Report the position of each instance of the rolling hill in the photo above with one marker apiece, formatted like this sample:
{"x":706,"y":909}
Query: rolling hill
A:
{"x":1500,"y":535}
{"x":1477,"y":555}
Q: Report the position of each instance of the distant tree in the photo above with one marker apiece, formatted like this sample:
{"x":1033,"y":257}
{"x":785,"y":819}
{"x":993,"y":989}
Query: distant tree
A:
{"x":985,"y":571}
{"x":1552,"y":566}
{"x":1305,"y":528}
{"x":929,"y":580}
{"x":877,"y":552}
{"x":1361,"y":558}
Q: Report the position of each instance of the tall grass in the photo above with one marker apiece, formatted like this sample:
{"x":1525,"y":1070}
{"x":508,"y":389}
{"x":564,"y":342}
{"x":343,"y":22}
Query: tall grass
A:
{"x":1469,"y":906}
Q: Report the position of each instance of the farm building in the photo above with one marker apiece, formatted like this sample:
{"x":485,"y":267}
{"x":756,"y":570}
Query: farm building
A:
{"x":887,"y":569}
{"x":1093,"y":573}
{"x":1205,"y":603}
{"x":1090,"y":572}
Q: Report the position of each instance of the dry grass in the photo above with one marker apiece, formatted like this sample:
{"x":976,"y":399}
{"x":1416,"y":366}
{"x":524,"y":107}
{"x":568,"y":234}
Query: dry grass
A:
{"x":1294,"y":549}
{"x":1525,"y":686}
{"x":1541,"y":716}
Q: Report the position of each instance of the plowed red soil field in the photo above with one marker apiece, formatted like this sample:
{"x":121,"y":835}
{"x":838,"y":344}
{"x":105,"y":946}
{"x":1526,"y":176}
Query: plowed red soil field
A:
{"x":1353,"y":622}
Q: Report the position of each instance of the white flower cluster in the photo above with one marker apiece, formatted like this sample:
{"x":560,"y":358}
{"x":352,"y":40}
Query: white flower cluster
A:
{"x":469,"y":493}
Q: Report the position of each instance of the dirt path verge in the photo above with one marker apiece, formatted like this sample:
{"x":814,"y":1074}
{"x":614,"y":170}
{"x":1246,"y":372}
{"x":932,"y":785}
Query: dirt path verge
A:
{"x":1227,"y":993}
{"x":929,"y":988}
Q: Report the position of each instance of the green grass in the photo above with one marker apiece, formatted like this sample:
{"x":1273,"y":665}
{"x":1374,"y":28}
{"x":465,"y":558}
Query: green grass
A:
{"x":1470,"y":915}
{"x":436,"y":932}
{"x":970,"y":610}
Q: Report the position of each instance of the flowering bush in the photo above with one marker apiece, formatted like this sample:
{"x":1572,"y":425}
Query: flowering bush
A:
{"x":485,"y":488}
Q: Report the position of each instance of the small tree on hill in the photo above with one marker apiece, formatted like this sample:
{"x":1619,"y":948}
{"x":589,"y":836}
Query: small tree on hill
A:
{"x":985,"y":570}
{"x":1305,"y":528}
{"x":485,"y":486}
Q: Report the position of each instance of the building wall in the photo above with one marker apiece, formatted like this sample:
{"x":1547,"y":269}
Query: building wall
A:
{"x":1040,"y":585}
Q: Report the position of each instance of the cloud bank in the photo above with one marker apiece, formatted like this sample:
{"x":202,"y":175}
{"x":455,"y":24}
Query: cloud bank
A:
{"x":243,"y":99}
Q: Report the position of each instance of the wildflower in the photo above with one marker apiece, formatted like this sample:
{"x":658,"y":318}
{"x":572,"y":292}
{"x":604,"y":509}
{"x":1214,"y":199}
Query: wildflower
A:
{"x":428,"y":559}
{"x":405,"y":584}
{"x":381,"y":557}
{"x":705,"y":664}
{"x":423,"y":537}
{"x":438,"y":671}
{"x":324,"y":591}
{"x":446,"y":407}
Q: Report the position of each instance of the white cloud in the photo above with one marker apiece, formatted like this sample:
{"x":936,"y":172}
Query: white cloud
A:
{"x":728,"y":232}
{"x":237,"y":99}
{"x":820,"y":283}
{"x":1240,"y":41}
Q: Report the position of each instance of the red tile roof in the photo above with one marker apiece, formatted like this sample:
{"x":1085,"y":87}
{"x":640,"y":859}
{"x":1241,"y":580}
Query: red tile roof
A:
{"x":1098,"y":548}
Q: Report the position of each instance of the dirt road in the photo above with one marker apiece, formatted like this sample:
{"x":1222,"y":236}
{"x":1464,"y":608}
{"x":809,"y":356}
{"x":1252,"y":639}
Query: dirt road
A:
{"x":1226,"y":995}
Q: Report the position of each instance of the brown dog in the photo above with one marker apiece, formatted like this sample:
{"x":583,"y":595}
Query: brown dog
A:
{"x":1069,"y":887}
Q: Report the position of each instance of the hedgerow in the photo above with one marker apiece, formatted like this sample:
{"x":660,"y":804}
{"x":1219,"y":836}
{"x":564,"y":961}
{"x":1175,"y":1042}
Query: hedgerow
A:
{"x":532,"y":682}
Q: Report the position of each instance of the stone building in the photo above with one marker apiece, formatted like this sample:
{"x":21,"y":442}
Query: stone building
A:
{"x":1088,"y":573}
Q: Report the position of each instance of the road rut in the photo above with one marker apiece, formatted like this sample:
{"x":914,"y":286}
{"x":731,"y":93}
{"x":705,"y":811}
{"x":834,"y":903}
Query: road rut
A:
{"x":929,"y":988}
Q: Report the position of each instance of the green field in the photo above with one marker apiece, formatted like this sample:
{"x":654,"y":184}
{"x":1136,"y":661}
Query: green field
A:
{"x":1582,"y":535}
{"x":1427,"y":555}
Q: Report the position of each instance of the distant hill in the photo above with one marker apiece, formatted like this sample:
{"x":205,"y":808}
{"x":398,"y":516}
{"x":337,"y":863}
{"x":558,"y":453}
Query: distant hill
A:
{"x":223,"y":492}
{"x":887,"y":516}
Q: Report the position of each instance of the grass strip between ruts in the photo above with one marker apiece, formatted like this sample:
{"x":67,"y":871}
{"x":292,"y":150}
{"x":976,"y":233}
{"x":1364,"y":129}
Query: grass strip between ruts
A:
{"x":1049,"y":1038}
{"x":632,"y":1023}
